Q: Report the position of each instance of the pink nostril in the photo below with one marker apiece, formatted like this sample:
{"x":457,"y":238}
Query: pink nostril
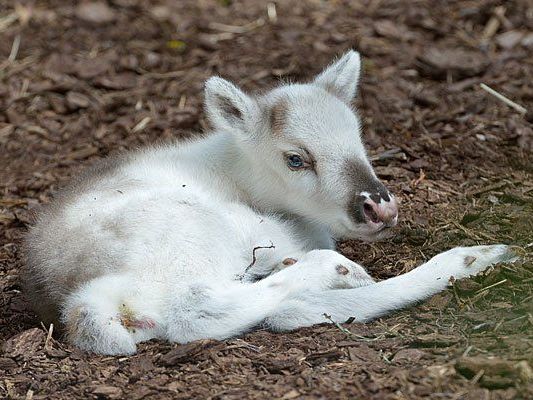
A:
{"x":370,"y":213}
{"x":385,"y":213}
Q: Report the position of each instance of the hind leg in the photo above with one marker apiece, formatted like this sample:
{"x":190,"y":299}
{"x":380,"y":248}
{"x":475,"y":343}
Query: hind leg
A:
{"x":97,"y":317}
{"x":218,"y":310}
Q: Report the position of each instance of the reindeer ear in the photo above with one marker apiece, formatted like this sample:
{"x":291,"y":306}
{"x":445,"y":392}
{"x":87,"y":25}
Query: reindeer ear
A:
{"x":341,"y":78}
{"x":228,"y":107}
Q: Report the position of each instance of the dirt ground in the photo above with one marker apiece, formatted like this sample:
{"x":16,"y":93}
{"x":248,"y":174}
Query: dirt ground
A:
{"x":79,"y":81}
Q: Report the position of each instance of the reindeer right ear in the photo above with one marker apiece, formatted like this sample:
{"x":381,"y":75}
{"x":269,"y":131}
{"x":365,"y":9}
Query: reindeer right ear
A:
{"x":341,"y":78}
{"x":228,"y":107}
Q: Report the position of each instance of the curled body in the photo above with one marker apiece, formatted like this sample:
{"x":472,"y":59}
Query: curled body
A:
{"x":215,"y":236}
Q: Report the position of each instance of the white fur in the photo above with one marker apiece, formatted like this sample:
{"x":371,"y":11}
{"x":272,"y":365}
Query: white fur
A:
{"x":342,"y":76}
{"x":190,"y":240}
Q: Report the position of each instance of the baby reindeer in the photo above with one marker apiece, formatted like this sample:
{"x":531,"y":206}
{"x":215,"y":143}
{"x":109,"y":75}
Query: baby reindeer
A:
{"x":213,"y":237}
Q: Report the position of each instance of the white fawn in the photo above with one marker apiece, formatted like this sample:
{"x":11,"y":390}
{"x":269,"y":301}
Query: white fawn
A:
{"x":215,"y":236}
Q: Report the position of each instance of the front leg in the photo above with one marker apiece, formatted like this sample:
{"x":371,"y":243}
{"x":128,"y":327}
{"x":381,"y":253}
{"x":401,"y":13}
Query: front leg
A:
{"x":368,"y":302}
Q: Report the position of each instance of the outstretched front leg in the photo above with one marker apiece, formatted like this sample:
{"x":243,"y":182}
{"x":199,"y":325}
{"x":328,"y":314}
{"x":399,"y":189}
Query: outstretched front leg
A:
{"x":369,"y":302}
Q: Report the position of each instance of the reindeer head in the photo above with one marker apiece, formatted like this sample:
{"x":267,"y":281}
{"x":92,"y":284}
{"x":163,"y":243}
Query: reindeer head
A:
{"x":301,"y":146}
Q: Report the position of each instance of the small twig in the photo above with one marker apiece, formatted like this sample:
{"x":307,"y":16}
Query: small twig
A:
{"x":518,"y":318}
{"x":494,"y":23}
{"x":420,"y":179}
{"x":272,"y":13}
{"x":498,"y":325}
{"x":510,"y":103}
{"x":491,"y":286}
{"x":473,"y":235}
{"x":141,"y":125}
{"x":486,"y":188}
{"x":341,"y":328}
{"x":468,"y":349}
{"x":254,"y":259}
{"x":7,"y":20}
{"x":395,"y":152}
{"x":49,"y":336}
{"x":245,"y":345}
{"x":14,"y":49}
{"x":477,"y":377}
{"x":217,"y":26}
{"x":351,"y":334}
{"x":182,"y":102}
{"x":467,"y":231}
{"x":15,"y":67}
{"x":164,"y":75}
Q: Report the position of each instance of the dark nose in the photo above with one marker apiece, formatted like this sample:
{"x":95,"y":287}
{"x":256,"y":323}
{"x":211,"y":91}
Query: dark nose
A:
{"x":379,"y":210}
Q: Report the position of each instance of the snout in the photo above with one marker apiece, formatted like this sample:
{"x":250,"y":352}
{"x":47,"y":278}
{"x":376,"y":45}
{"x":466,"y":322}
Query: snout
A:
{"x":378,"y":210}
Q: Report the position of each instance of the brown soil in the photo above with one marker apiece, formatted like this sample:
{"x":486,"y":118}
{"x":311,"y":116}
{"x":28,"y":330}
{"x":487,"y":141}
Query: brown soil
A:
{"x":89,"y":80}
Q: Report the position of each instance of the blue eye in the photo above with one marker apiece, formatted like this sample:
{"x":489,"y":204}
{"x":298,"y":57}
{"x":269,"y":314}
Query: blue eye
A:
{"x":295,"y":161}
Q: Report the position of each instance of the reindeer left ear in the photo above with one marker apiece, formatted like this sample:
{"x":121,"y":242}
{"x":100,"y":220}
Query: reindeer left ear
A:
{"x":341,"y":78}
{"x":228,"y":107}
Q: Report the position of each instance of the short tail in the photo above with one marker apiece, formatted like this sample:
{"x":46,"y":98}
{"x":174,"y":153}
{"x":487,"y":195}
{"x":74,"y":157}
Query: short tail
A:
{"x":98,"y":318}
